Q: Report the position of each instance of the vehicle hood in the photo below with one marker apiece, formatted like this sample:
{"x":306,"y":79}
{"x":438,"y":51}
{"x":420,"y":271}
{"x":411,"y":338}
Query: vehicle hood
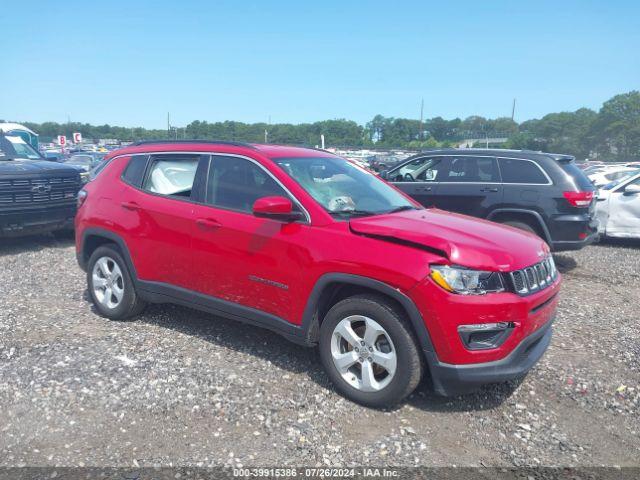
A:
{"x":25,"y":167}
{"x":78,"y":166}
{"x":464,"y":240}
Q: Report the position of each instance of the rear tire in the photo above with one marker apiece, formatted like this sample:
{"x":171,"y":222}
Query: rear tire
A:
{"x":376,"y":362}
{"x":110,"y":285}
{"x":521,"y":225}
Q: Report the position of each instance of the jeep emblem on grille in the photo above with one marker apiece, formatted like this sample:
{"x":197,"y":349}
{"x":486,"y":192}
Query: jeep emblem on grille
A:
{"x":41,"y":189}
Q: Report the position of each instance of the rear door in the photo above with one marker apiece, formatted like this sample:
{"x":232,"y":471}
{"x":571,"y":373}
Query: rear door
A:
{"x":157,"y":213}
{"x":471,"y":185}
{"x":419,"y":178}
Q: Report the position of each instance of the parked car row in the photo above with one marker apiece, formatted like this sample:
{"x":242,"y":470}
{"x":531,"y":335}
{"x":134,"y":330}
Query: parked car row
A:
{"x":603,"y":175}
{"x":326,"y":253}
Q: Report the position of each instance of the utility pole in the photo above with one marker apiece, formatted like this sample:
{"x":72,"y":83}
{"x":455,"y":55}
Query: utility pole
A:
{"x":513,"y":110}
{"x":168,"y":126}
{"x":421,"y":120}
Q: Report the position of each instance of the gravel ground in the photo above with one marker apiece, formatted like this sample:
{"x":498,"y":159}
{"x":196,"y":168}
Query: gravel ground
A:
{"x":179,"y":387}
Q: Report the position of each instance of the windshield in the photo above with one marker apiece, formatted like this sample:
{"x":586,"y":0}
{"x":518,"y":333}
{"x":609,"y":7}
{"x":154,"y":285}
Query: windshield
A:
{"x":615,"y":183}
{"x":15,"y":147}
{"x":343,"y":188}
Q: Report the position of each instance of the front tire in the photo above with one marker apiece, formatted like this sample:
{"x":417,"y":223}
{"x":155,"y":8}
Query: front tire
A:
{"x":110,"y":285}
{"x":369,"y":351}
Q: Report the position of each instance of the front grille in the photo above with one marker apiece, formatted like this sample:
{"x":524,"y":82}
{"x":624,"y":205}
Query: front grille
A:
{"x":534,"y":278}
{"x":38,"y":190}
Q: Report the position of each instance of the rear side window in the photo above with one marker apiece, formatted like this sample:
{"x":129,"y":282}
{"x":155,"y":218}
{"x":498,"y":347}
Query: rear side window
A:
{"x":521,"y":171}
{"x":134,"y":173}
{"x":472,"y":170}
{"x":580,"y":179}
{"x":171,"y":175}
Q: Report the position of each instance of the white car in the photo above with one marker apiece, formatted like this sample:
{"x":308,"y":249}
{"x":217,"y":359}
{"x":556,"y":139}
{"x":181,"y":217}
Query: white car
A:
{"x":618,"y":208}
{"x":610,"y":174}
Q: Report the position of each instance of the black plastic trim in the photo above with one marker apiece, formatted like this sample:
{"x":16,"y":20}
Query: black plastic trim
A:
{"x":311,"y":322}
{"x":536,"y":215}
{"x":157,"y":292}
{"x":449,"y":379}
{"x":566,"y":245}
{"x":115,"y":238}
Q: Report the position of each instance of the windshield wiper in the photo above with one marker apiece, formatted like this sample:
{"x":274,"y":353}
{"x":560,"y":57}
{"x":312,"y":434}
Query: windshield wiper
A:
{"x":356,"y":212}
{"x":402,"y":209}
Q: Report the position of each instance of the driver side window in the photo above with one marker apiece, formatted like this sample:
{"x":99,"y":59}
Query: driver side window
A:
{"x":423,"y":169}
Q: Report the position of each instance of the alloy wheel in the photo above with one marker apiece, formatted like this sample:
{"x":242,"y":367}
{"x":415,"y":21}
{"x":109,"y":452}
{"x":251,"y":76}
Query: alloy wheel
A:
{"x":107,"y":282}
{"x":363,"y":353}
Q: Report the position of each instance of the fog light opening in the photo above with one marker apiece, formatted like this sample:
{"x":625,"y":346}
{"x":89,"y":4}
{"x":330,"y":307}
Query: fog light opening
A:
{"x":484,"y":336}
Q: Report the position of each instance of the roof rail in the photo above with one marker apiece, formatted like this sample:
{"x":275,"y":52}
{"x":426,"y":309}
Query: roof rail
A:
{"x":214,"y":142}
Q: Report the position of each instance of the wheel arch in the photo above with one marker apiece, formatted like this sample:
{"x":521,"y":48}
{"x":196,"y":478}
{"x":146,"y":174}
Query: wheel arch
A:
{"x":530,"y":216}
{"x":333,"y":287}
{"x":92,"y":238}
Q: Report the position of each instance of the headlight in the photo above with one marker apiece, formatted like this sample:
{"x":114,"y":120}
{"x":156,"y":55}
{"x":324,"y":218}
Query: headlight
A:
{"x":84,"y":177}
{"x":466,"y":282}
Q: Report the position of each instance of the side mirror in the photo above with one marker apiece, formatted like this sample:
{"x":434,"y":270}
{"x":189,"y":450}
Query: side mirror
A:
{"x":632,"y":189}
{"x":276,"y":208}
{"x":384,"y":174}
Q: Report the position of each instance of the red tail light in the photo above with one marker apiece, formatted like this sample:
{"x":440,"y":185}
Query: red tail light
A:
{"x":82,"y":196}
{"x":579,"y":199}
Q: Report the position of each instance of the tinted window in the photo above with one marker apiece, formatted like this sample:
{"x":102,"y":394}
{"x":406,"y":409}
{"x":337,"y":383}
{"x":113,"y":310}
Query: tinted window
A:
{"x":134,"y":172}
{"x":472,"y":169}
{"x":579,"y":177}
{"x":422,"y":170}
{"x":171,"y":175}
{"x":521,"y":171}
{"x":236,"y":183}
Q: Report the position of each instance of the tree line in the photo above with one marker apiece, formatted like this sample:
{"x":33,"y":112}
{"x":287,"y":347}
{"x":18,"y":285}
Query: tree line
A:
{"x":612,"y":133}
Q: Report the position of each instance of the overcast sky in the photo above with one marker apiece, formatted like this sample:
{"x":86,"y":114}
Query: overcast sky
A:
{"x":129,"y":63}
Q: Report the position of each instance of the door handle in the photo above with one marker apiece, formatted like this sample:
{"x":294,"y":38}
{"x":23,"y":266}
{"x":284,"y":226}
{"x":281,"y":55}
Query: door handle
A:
{"x":423,"y":189}
{"x":489,"y":189}
{"x":130,"y":206}
{"x":208,"y":223}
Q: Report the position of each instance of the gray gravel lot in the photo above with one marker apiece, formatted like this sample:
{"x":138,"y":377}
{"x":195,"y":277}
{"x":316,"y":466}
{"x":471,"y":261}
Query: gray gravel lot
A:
{"x":179,"y":387}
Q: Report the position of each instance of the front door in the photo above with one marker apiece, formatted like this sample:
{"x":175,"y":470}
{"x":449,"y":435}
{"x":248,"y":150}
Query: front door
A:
{"x":250,"y":261}
{"x":471,"y":185}
{"x":419,"y":178}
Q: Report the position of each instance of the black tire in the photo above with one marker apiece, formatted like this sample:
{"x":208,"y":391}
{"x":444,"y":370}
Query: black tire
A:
{"x":521,"y":225}
{"x":409,"y":367}
{"x":131,"y":304}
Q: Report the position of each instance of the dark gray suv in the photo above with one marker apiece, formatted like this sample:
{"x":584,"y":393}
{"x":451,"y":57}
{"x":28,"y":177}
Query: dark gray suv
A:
{"x":543,"y":193}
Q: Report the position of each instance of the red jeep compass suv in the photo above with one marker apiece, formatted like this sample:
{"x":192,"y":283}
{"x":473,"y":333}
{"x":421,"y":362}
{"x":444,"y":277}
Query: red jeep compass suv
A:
{"x":319,"y":250}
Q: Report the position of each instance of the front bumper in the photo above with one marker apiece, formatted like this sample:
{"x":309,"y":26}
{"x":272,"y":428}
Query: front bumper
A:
{"x":454,"y":366}
{"x":35,"y":220}
{"x":451,"y":379}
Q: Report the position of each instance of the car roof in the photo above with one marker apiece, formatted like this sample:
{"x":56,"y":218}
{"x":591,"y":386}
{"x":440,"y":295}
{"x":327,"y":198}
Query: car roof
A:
{"x":269,"y":150}
{"x":528,"y":154}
